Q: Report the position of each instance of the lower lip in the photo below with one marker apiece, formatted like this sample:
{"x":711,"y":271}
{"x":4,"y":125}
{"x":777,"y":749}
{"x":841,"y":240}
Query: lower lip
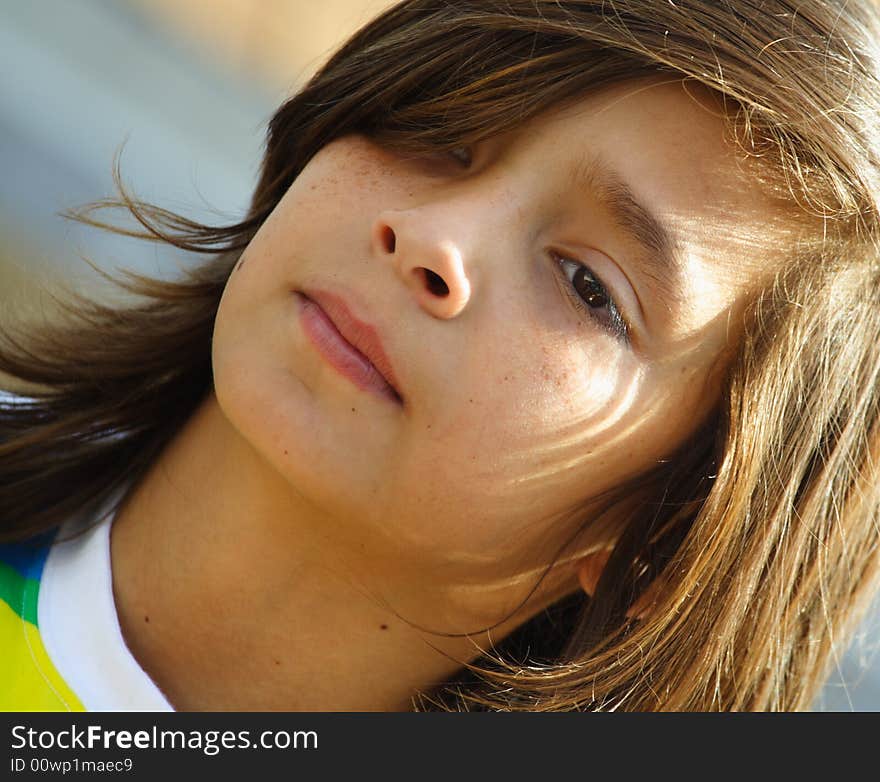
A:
{"x":339,"y":353}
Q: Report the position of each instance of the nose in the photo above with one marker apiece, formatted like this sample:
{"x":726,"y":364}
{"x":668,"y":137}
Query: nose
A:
{"x":432,"y":267}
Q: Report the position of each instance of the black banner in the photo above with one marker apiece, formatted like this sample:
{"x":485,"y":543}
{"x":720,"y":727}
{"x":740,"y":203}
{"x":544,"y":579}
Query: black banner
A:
{"x":396,"y":746}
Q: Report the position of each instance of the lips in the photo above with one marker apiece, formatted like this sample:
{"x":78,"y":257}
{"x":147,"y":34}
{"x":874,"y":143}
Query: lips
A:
{"x":352,"y":346}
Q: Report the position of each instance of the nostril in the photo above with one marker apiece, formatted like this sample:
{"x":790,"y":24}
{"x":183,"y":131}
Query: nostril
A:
{"x":436,"y":284}
{"x":389,"y":240}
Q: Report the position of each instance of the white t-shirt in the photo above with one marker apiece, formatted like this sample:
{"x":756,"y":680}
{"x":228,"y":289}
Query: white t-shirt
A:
{"x":80,"y":627}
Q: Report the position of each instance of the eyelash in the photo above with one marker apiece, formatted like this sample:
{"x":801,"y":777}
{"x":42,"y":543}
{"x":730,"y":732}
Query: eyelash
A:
{"x":615,"y":324}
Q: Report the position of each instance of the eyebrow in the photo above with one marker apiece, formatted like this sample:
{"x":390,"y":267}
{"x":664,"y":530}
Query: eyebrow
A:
{"x":662,"y":256}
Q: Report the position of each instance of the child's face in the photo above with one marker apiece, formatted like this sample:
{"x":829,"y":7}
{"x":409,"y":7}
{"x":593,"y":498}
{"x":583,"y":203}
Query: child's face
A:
{"x":517,"y":406}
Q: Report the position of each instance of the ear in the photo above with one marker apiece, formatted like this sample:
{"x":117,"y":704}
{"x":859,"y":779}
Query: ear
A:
{"x":589,"y":570}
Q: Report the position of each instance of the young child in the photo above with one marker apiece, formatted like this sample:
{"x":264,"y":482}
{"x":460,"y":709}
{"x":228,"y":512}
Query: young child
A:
{"x":541,"y":375}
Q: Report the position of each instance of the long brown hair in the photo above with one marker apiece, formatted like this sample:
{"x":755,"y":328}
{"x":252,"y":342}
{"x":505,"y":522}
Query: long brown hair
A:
{"x":763,"y":531}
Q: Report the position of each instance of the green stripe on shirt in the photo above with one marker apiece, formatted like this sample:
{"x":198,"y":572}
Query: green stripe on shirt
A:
{"x":12,"y":592}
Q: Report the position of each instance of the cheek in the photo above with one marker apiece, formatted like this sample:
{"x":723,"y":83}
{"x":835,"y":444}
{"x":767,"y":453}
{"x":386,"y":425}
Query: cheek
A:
{"x":561,"y":386}
{"x":348,"y":173}
{"x":525,"y":441}
{"x":525,"y":409}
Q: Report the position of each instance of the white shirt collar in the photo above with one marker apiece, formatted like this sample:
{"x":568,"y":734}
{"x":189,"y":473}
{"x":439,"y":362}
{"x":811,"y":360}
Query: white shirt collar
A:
{"x":79,"y":625}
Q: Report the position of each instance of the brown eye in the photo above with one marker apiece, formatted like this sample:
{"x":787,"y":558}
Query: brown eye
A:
{"x":446,"y":162}
{"x":588,"y":294}
{"x":463,"y":155}
{"x":589,"y":289}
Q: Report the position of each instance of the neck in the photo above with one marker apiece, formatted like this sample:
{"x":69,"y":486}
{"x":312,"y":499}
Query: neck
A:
{"x":233,"y":592}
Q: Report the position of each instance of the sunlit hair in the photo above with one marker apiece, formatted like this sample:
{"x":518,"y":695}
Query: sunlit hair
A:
{"x":762,"y":531}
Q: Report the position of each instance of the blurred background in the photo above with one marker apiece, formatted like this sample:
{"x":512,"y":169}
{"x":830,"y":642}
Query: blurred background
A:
{"x":188,"y":87}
